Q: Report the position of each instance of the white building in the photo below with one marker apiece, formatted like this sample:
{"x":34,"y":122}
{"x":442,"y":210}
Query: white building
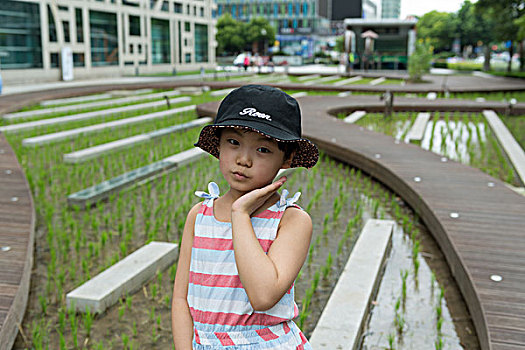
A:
{"x":106,"y":37}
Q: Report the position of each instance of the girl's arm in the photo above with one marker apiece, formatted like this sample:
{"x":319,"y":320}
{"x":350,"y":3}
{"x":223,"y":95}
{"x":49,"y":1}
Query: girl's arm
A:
{"x":266,"y":277}
{"x":181,"y":320}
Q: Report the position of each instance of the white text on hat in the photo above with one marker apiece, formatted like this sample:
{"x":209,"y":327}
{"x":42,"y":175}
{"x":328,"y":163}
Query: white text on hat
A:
{"x":252,"y":112}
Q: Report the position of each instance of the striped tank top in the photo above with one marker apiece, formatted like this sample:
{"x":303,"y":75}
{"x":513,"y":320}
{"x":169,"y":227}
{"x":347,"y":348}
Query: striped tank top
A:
{"x":222,"y":314}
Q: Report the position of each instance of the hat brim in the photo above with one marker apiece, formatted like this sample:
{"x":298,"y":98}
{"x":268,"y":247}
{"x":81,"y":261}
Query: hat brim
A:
{"x":306,"y":154}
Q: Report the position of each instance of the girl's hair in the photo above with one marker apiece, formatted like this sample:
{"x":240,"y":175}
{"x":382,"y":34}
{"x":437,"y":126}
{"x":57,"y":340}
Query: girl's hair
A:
{"x":286,"y":147}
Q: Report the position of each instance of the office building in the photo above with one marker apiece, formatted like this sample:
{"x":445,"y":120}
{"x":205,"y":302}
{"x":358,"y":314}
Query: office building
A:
{"x":105,"y":37}
{"x":390,"y":8}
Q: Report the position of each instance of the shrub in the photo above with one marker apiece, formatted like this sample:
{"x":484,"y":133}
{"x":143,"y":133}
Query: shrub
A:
{"x":419,"y":61}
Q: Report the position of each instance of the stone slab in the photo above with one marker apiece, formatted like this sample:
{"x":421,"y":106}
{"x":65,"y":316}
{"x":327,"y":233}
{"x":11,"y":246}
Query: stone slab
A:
{"x":348,"y":81}
{"x":511,"y":147}
{"x":125,"y":277}
{"x":97,"y":104}
{"x":354,"y":117}
{"x":308,"y":77}
{"x":106,"y":188}
{"x":341,"y":323}
{"x":377,"y":81}
{"x":418,"y":129}
{"x":96,"y":151}
{"x":221,"y":92}
{"x":67,"y":134}
{"x":89,"y":115}
{"x":79,"y":99}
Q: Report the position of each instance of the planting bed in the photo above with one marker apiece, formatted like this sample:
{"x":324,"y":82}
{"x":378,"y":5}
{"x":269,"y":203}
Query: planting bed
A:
{"x":72,"y":245}
{"x":463,"y":137}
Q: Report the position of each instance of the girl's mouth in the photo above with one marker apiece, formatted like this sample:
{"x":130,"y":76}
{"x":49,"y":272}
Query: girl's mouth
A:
{"x":239,"y":176}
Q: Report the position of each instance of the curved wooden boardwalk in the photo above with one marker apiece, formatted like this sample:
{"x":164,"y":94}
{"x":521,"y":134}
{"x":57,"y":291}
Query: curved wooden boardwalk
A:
{"x":488,"y":237}
{"x":17,"y":223}
{"x":484,"y":240}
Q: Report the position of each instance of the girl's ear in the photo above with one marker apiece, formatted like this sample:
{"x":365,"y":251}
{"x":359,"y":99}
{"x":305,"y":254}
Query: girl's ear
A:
{"x":288,"y":162}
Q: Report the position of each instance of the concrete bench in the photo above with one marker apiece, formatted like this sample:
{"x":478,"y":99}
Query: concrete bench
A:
{"x":68,"y":134}
{"x":125,"y":277}
{"x":97,"y":104}
{"x":80,"y":99}
{"x":511,"y":147}
{"x":96,"y":151}
{"x":354,"y":117}
{"x":417,"y":131}
{"x":343,"y":319}
{"x":89,"y":115}
{"x":377,"y":81}
{"x":104,"y":189}
{"x":348,"y":81}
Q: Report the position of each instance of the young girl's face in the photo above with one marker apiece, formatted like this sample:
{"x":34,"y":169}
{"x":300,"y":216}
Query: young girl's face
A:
{"x":249,"y":160}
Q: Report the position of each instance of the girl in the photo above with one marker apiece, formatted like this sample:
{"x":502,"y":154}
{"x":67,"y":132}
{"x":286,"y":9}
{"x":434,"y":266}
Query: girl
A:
{"x":242,"y":251}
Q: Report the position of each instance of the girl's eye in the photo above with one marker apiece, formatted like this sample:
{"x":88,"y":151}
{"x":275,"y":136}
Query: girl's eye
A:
{"x":232,"y":141}
{"x":263,"y":150}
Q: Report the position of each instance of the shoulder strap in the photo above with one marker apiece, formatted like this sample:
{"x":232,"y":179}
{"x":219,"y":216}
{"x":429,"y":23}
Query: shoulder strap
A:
{"x":213,"y":189}
{"x":288,"y":202}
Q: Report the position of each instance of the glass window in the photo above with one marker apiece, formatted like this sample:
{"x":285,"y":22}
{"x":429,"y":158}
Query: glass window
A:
{"x":187,"y":58}
{"x":134,"y":25}
{"x":80,"y":26}
{"x":78,"y":60}
{"x":51,"y":24}
{"x":104,"y":41}
{"x":20,"y":35}
{"x":54,"y":59}
{"x":160,"y":41}
{"x":305,"y":9}
{"x":165,"y":6}
{"x":202,"y":11}
{"x":187,"y":26}
{"x":201,"y":43}
{"x":177,"y":7}
{"x":65,"y":27}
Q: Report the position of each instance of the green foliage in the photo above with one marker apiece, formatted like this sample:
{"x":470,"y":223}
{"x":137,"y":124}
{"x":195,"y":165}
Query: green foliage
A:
{"x":233,"y":36}
{"x":419,"y":61}
{"x":229,"y":34}
{"x":438,"y":28}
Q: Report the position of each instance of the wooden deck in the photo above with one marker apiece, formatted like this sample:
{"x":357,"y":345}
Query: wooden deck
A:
{"x":17,"y":221}
{"x":488,"y":237}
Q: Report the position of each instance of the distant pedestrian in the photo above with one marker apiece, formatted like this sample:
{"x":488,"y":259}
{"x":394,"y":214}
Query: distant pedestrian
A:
{"x":246,"y":62}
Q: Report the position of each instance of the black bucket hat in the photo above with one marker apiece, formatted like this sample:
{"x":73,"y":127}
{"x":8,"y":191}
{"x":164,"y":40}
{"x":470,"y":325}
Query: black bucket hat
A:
{"x":265,"y":110}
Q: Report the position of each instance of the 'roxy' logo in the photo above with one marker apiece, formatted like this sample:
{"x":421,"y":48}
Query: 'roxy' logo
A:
{"x":252,"y":112}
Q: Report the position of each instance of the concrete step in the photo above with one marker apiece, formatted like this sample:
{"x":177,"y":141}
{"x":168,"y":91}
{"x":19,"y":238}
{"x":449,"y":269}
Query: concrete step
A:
{"x":511,"y":147}
{"x":221,"y":92}
{"x":125,"y":277}
{"x":105,"y":189}
{"x":40,"y":112}
{"x":89,"y":115}
{"x":347,"y":81}
{"x":377,"y":81}
{"x":96,"y":151}
{"x":418,"y":129}
{"x":344,"y":316}
{"x":68,"y":134}
{"x":354,"y":117}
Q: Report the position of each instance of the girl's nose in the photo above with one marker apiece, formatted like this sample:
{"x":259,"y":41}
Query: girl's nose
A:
{"x":244,"y":159}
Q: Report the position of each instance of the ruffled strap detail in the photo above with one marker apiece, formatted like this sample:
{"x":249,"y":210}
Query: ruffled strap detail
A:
{"x":286,"y":202}
{"x":213,"y":190}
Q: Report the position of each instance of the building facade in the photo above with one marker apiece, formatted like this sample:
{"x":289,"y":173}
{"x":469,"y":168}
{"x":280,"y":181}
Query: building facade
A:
{"x":296,"y":23}
{"x":106,"y":37}
{"x":390,"y":9}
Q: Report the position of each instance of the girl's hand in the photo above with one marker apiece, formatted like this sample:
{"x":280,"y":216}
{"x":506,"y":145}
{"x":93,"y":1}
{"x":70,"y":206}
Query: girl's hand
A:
{"x":251,"y":201}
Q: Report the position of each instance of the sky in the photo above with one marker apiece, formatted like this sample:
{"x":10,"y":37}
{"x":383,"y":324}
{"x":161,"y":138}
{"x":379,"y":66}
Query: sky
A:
{"x":420,"y":7}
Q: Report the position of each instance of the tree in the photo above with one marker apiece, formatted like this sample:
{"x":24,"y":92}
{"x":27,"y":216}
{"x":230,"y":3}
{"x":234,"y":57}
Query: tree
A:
{"x":475,"y":27}
{"x":505,"y":14}
{"x":258,"y":30}
{"x":419,"y":61}
{"x":230,"y":38}
{"x":438,"y":28}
